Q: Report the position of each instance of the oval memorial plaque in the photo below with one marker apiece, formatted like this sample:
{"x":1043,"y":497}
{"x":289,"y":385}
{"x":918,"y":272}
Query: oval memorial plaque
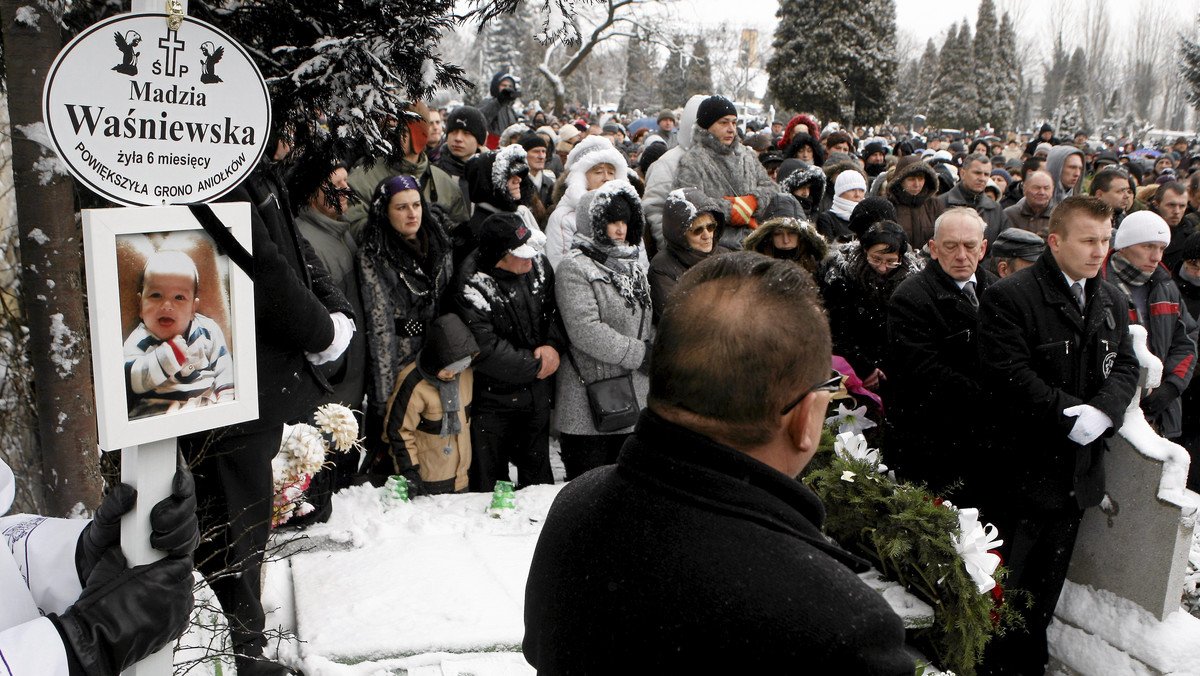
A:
{"x":146,"y":115}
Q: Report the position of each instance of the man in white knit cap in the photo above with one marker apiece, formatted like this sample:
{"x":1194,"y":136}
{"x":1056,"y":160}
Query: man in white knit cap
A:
{"x":1135,"y":265}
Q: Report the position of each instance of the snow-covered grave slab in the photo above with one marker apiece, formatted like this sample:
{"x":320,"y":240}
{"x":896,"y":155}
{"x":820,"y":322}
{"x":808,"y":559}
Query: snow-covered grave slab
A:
{"x":435,"y":586}
{"x":434,"y":575}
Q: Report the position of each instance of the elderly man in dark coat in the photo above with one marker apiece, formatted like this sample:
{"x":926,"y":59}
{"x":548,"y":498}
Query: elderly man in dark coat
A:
{"x":1059,"y":360}
{"x":933,"y":335}
{"x":1032,"y":211}
{"x":698,"y":552}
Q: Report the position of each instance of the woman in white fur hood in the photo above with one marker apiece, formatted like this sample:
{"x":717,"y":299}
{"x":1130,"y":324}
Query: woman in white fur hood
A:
{"x":591,"y":164}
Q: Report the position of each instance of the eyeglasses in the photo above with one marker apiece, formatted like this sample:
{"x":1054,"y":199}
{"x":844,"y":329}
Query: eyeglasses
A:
{"x":832,"y":385}
{"x":697,"y":229}
{"x":881,"y":261}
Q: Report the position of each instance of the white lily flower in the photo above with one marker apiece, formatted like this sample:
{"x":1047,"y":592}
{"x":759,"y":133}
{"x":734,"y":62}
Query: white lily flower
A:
{"x":853,"y":446}
{"x":853,"y":421}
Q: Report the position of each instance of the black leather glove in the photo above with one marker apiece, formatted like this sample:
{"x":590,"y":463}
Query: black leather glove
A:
{"x":173,"y":524}
{"x":1158,"y":400}
{"x":416,"y":486}
{"x":104,"y":531}
{"x":126,"y":614}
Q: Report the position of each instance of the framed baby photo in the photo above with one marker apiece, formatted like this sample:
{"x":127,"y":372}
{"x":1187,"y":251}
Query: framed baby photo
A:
{"x":172,"y":321}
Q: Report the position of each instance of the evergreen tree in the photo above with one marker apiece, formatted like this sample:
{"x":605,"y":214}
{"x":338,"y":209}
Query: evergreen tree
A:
{"x":930,"y":68}
{"x":503,"y":44}
{"x":988,"y":66}
{"x":671,"y":80}
{"x":697,"y":75}
{"x":1075,"y":108}
{"x":908,"y":98}
{"x":640,"y":90}
{"x":1055,"y":71}
{"x":954,"y":97}
{"x":1011,"y":79}
{"x":341,"y":74}
{"x":1189,"y":68}
{"x":843,"y":69}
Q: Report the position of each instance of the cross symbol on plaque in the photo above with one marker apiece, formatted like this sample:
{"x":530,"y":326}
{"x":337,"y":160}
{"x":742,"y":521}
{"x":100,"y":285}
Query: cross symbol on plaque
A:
{"x":172,"y":45}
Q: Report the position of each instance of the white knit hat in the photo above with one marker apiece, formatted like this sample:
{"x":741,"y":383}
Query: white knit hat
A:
{"x":849,"y":180}
{"x":1141,"y":227}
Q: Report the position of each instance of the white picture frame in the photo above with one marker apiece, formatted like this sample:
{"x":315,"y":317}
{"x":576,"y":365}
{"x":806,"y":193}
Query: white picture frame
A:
{"x":117,"y":244}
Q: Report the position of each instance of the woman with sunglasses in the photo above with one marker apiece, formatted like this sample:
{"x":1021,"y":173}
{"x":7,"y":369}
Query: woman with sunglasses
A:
{"x":857,"y":283}
{"x":692,"y":226}
{"x":319,"y":221}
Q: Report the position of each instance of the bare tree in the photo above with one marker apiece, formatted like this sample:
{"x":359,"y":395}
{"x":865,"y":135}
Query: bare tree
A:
{"x":734,"y":68}
{"x":1149,"y":71}
{"x":611,"y":19}
{"x":1097,"y":44}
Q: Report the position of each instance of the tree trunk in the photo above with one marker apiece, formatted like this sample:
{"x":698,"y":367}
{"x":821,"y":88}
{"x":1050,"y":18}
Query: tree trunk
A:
{"x":52,"y":276}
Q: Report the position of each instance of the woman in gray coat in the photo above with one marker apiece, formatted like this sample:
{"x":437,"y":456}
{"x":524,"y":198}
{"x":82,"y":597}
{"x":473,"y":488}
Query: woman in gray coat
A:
{"x":604,"y":299}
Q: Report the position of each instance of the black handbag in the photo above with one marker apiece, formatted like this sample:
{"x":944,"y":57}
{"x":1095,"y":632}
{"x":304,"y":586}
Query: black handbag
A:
{"x":613,"y":401}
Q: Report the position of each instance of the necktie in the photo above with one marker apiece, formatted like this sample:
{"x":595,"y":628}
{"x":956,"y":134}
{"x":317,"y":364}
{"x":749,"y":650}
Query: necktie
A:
{"x":1077,"y":290}
{"x":969,"y":291}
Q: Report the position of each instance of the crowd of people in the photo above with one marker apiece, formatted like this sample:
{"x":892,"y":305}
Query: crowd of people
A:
{"x":504,"y":276}
{"x":578,"y":232}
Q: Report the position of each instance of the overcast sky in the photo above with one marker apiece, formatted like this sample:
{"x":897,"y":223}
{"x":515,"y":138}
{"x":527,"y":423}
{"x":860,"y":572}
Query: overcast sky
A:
{"x":925,"y":19}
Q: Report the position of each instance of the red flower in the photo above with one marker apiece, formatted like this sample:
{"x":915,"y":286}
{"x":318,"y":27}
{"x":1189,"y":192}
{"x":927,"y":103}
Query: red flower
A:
{"x":938,"y":501}
{"x":998,"y":595}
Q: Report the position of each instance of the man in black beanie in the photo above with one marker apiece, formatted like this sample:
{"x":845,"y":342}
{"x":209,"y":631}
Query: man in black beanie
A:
{"x":875,"y":158}
{"x":721,"y":167}
{"x":497,"y":109}
{"x":537,"y":149}
{"x":466,"y":132}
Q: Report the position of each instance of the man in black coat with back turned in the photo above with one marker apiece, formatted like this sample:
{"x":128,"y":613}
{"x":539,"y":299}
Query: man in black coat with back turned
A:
{"x":698,"y":551}
{"x":933,"y":335}
{"x":1059,"y":361}
{"x":303,"y":324}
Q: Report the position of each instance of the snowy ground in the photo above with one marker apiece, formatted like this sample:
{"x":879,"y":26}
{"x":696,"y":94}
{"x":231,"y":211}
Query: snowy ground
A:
{"x":434,"y":587}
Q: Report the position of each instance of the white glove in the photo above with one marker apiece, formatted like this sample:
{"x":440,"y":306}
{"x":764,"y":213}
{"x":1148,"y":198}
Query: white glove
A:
{"x":1089,"y":425}
{"x":343,"y":330}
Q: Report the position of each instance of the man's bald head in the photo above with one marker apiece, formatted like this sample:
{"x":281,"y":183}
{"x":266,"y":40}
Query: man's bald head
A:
{"x":742,"y":336}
